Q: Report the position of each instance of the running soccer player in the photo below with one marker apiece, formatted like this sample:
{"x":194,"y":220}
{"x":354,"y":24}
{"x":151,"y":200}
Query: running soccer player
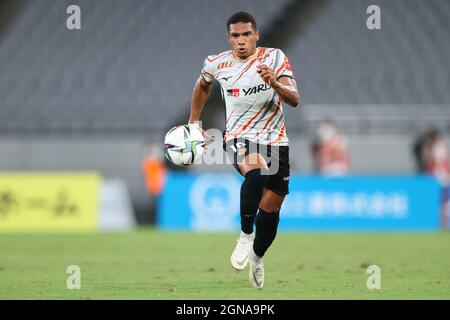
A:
{"x":254,"y":82}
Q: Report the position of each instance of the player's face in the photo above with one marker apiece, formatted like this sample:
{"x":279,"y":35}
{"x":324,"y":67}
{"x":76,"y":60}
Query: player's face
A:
{"x":242,"y":38}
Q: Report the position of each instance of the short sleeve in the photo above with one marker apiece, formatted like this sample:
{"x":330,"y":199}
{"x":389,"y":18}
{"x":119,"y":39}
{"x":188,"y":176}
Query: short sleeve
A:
{"x":207,"y":71}
{"x":282,"y":67}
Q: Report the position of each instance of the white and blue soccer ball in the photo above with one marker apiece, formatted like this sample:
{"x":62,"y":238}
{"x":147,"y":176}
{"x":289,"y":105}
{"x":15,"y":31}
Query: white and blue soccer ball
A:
{"x":184,"y":144}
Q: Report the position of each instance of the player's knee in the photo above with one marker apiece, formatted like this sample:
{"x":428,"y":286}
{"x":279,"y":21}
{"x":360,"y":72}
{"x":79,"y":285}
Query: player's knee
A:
{"x":271,"y":202}
{"x":254,"y":183}
{"x":269,"y":208}
{"x":257,"y":177}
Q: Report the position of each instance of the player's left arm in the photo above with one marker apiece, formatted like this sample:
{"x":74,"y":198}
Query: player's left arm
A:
{"x":285,"y":86}
{"x":287,"y":89}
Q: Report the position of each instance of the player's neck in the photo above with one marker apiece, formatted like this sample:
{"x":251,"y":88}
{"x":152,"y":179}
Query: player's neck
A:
{"x":252,"y":55}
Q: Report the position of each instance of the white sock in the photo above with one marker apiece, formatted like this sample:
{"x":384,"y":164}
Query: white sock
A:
{"x":254,"y":257}
{"x":246,"y":235}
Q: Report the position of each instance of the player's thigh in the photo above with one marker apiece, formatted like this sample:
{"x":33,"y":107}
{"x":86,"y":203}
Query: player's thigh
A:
{"x":278,"y":184}
{"x":250,"y":162}
{"x":271,"y":201}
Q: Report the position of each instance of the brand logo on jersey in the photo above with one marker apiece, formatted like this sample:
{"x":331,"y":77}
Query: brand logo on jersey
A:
{"x":226,"y":78}
{"x":233,"y":92}
{"x":224,"y":65}
{"x":257,"y":89}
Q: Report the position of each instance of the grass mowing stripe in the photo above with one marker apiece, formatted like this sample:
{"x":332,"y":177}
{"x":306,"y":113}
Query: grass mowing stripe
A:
{"x":150,"y":264}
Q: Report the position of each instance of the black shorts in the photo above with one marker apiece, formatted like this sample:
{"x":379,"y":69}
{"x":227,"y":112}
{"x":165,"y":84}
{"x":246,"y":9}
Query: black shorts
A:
{"x":277,"y":158}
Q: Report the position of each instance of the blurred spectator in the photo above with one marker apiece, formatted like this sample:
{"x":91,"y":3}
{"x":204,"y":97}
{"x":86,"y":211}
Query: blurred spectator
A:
{"x":329,"y":150}
{"x":154,"y":170}
{"x":436,"y":161}
{"x":435,"y":156}
{"x":417,"y":150}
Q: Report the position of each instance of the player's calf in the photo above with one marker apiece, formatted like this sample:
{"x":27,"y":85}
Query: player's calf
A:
{"x":251,"y":194}
{"x":266,"y":231}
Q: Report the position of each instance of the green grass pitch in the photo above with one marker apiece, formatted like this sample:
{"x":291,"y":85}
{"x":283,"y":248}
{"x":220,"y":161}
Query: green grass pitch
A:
{"x":150,"y":264}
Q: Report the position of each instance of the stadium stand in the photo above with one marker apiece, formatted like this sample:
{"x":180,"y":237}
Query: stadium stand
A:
{"x":393,"y":79}
{"x":130,"y":69}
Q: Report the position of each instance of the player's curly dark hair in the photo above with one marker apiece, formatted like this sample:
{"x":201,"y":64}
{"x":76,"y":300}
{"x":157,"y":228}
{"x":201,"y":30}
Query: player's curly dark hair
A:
{"x":241,"y":16}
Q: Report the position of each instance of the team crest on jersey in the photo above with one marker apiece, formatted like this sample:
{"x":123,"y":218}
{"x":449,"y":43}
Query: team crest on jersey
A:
{"x":233,"y":92}
{"x":224,"y":65}
{"x":241,"y":151}
{"x":260,"y":59}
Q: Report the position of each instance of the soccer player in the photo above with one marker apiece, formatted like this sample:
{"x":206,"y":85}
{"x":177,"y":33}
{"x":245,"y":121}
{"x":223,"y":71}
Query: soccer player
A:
{"x":254,"y":82}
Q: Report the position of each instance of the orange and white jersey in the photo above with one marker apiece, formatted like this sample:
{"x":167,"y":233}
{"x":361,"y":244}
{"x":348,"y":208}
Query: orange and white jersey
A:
{"x":254,"y":110}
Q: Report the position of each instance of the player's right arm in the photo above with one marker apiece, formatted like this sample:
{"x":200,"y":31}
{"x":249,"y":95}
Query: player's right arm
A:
{"x":202,"y":90}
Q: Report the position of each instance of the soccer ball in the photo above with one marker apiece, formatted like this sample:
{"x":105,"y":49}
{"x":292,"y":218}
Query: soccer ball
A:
{"x":184,"y":145}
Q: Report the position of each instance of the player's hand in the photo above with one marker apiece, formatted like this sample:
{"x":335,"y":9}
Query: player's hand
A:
{"x":207,"y":137}
{"x":266,"y":74}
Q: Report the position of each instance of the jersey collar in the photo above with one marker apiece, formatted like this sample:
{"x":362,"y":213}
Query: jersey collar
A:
{"x":258,"y":50}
